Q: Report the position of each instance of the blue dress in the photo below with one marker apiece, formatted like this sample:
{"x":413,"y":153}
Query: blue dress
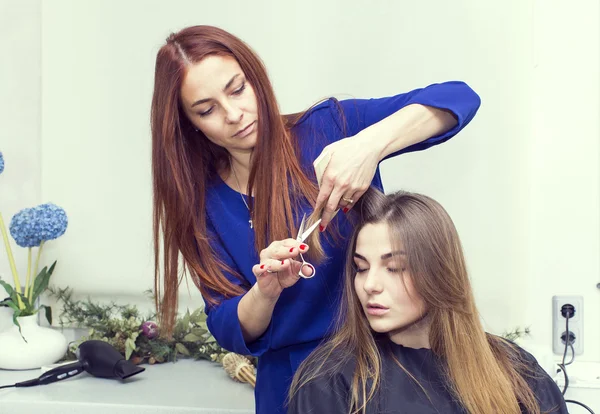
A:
{"x":305,"y":311}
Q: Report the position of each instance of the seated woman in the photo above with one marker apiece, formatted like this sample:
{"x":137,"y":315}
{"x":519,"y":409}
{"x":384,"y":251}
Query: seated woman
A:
{"x":409,"y":338}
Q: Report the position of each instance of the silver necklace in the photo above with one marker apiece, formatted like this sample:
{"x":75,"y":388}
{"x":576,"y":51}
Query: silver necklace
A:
{"x":241,"y":195}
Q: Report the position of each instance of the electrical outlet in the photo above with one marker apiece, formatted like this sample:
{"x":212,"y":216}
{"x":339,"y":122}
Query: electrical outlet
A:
{"x":559,"y":325}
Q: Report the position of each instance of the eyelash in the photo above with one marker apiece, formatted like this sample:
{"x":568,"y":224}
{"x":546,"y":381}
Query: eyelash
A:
{"x":236,"y":92}
{"x":389,"y":269}
{"x":240,"y":89}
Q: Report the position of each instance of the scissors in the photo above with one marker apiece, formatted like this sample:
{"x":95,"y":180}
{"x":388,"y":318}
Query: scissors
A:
{"x":303,"y":235}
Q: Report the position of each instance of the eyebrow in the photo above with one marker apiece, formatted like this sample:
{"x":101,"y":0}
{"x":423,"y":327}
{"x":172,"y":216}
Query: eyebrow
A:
{"x":201,"y":101}
{"x":386,"y":256}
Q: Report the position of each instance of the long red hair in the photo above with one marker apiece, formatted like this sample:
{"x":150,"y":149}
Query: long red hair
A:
{"x":184,"y":161}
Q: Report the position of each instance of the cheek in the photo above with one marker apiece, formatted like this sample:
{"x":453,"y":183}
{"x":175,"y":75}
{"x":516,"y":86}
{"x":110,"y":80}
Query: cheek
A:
{"x":413,"y":303}
{"x":404,"y":294}
{"x":211,"y":129}
{"x":358,"y":288}
{"x":250,"y":101}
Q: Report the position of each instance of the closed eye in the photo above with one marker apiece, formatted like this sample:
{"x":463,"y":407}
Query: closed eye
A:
{"x":239,"y":90}
{"x":207,"y":112}
{"x":396,"y":269}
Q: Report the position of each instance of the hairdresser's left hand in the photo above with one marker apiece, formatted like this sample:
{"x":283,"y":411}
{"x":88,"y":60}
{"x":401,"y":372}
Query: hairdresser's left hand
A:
{"x":348,"y":175}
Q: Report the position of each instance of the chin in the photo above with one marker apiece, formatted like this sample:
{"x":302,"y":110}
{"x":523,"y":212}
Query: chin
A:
{"x":380,"y":326}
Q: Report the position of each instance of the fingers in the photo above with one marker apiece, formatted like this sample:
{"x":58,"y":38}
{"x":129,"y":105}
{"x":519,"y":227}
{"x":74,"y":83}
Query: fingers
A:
{"x":270,"y":266}
{"x":308,"y":271}
{"x":331,"y":207}
{"x":282,"y":250}
{"x":336,"y":193}
{"x":327,"y":186}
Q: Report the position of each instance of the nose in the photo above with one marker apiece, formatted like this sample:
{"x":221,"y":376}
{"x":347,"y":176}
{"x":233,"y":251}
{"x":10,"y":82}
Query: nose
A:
{"x":373,"y":283}
{"x":233,"y":114}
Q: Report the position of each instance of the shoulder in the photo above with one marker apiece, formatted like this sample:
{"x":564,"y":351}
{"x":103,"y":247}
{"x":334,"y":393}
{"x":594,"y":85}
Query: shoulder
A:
{"x":542,"y":385}
{"x":333,"y":373}
{"x":319,"y":112}
{"x":327,"y":392}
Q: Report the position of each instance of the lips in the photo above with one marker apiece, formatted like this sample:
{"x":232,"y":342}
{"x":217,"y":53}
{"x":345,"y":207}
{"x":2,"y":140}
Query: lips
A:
{"x":375,"y":309}
{"x":376,"y":306}
{"x":244,"y":130}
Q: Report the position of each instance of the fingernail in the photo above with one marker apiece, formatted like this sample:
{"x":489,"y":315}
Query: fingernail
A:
{"x":321,"y":228}
{"x":345,"y":210}
{"x":283,"y":262}
{"x":262,"y":267}
{"x":291,"y":250}
{"x":303,"y":246}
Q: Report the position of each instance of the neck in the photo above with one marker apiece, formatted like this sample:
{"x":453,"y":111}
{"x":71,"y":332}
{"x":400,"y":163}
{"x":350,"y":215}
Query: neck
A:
{"x":240,"y":169}
{"x":415,"y":335}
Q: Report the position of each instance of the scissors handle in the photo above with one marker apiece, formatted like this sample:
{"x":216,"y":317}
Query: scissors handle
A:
{"x":312,"y":268}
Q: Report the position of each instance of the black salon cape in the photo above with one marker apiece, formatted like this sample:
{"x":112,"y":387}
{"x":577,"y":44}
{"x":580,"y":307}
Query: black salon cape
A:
{"x":399,"y":394}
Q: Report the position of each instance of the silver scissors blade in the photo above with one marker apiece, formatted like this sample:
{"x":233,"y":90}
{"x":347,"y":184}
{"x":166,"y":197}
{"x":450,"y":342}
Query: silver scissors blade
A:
{"x":301,"y":228}
{"x":304,"y":236}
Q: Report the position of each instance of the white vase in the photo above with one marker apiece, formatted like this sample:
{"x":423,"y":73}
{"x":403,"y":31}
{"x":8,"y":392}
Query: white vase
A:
{"x":44,"y":346}
{"x":6,"y":315}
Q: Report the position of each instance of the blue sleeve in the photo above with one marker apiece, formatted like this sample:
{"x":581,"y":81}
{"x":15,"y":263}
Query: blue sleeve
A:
{"x":222,"y":318}
{"x":456,"y":97}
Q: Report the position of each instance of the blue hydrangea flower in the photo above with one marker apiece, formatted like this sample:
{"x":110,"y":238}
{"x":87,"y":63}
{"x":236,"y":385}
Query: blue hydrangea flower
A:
{"x":51,"y":221}
{"x":30,"y":226}
{"x":22,"y":229}
{"x":1,"y":163}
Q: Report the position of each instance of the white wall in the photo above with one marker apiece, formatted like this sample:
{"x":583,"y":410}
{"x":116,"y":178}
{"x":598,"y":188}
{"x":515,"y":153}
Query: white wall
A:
{"x":507,"y":180}
{"x":564,"y":166}
{"x":20,"y":101}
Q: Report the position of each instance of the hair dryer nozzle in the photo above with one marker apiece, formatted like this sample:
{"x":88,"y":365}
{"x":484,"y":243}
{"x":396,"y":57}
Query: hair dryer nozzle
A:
{"x":101,"y":359}
{"x":125,"y":369}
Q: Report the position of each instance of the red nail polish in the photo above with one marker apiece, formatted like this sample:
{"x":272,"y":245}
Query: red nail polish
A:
{"x":291,"y":250}
{"x":262,"y":267}
{"x":345,"y":210}
{"x":283,"y":262}
{"x":303,"y":247}
{"x":321,"y":228}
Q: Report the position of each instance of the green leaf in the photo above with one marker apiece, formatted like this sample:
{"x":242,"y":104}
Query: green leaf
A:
{"x":186,"y":319}
{"x":198,"y":316}
{"x":13,"y":305}
{"x":41,"y":281}
{"x":129,"y":348}
{"x":199,"y":331}
{"x":192,"y":338}
{"x":182,"y":349}
{"x":14,"y":294}
{"x":48,"y":310}
{"x":28,"y":305}
{"x":16,"y":322}
{"x":210,"y":340}
{"x":8,"y":288}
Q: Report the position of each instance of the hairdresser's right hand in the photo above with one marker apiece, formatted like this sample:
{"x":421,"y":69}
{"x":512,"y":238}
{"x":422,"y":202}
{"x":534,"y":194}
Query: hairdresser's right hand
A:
{"x":277,"y":269}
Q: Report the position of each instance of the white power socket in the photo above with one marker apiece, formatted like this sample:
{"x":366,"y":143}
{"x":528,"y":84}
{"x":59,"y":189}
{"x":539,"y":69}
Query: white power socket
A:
{"x":559,"y":324}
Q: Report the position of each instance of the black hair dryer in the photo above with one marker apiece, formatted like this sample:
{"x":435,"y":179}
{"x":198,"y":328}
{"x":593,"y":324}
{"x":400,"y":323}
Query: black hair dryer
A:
{"x":98,"y":358}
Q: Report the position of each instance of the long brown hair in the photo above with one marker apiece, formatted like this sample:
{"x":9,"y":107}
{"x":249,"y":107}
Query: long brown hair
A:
{"x":184,"y":162}
{"x":483,"y":371}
